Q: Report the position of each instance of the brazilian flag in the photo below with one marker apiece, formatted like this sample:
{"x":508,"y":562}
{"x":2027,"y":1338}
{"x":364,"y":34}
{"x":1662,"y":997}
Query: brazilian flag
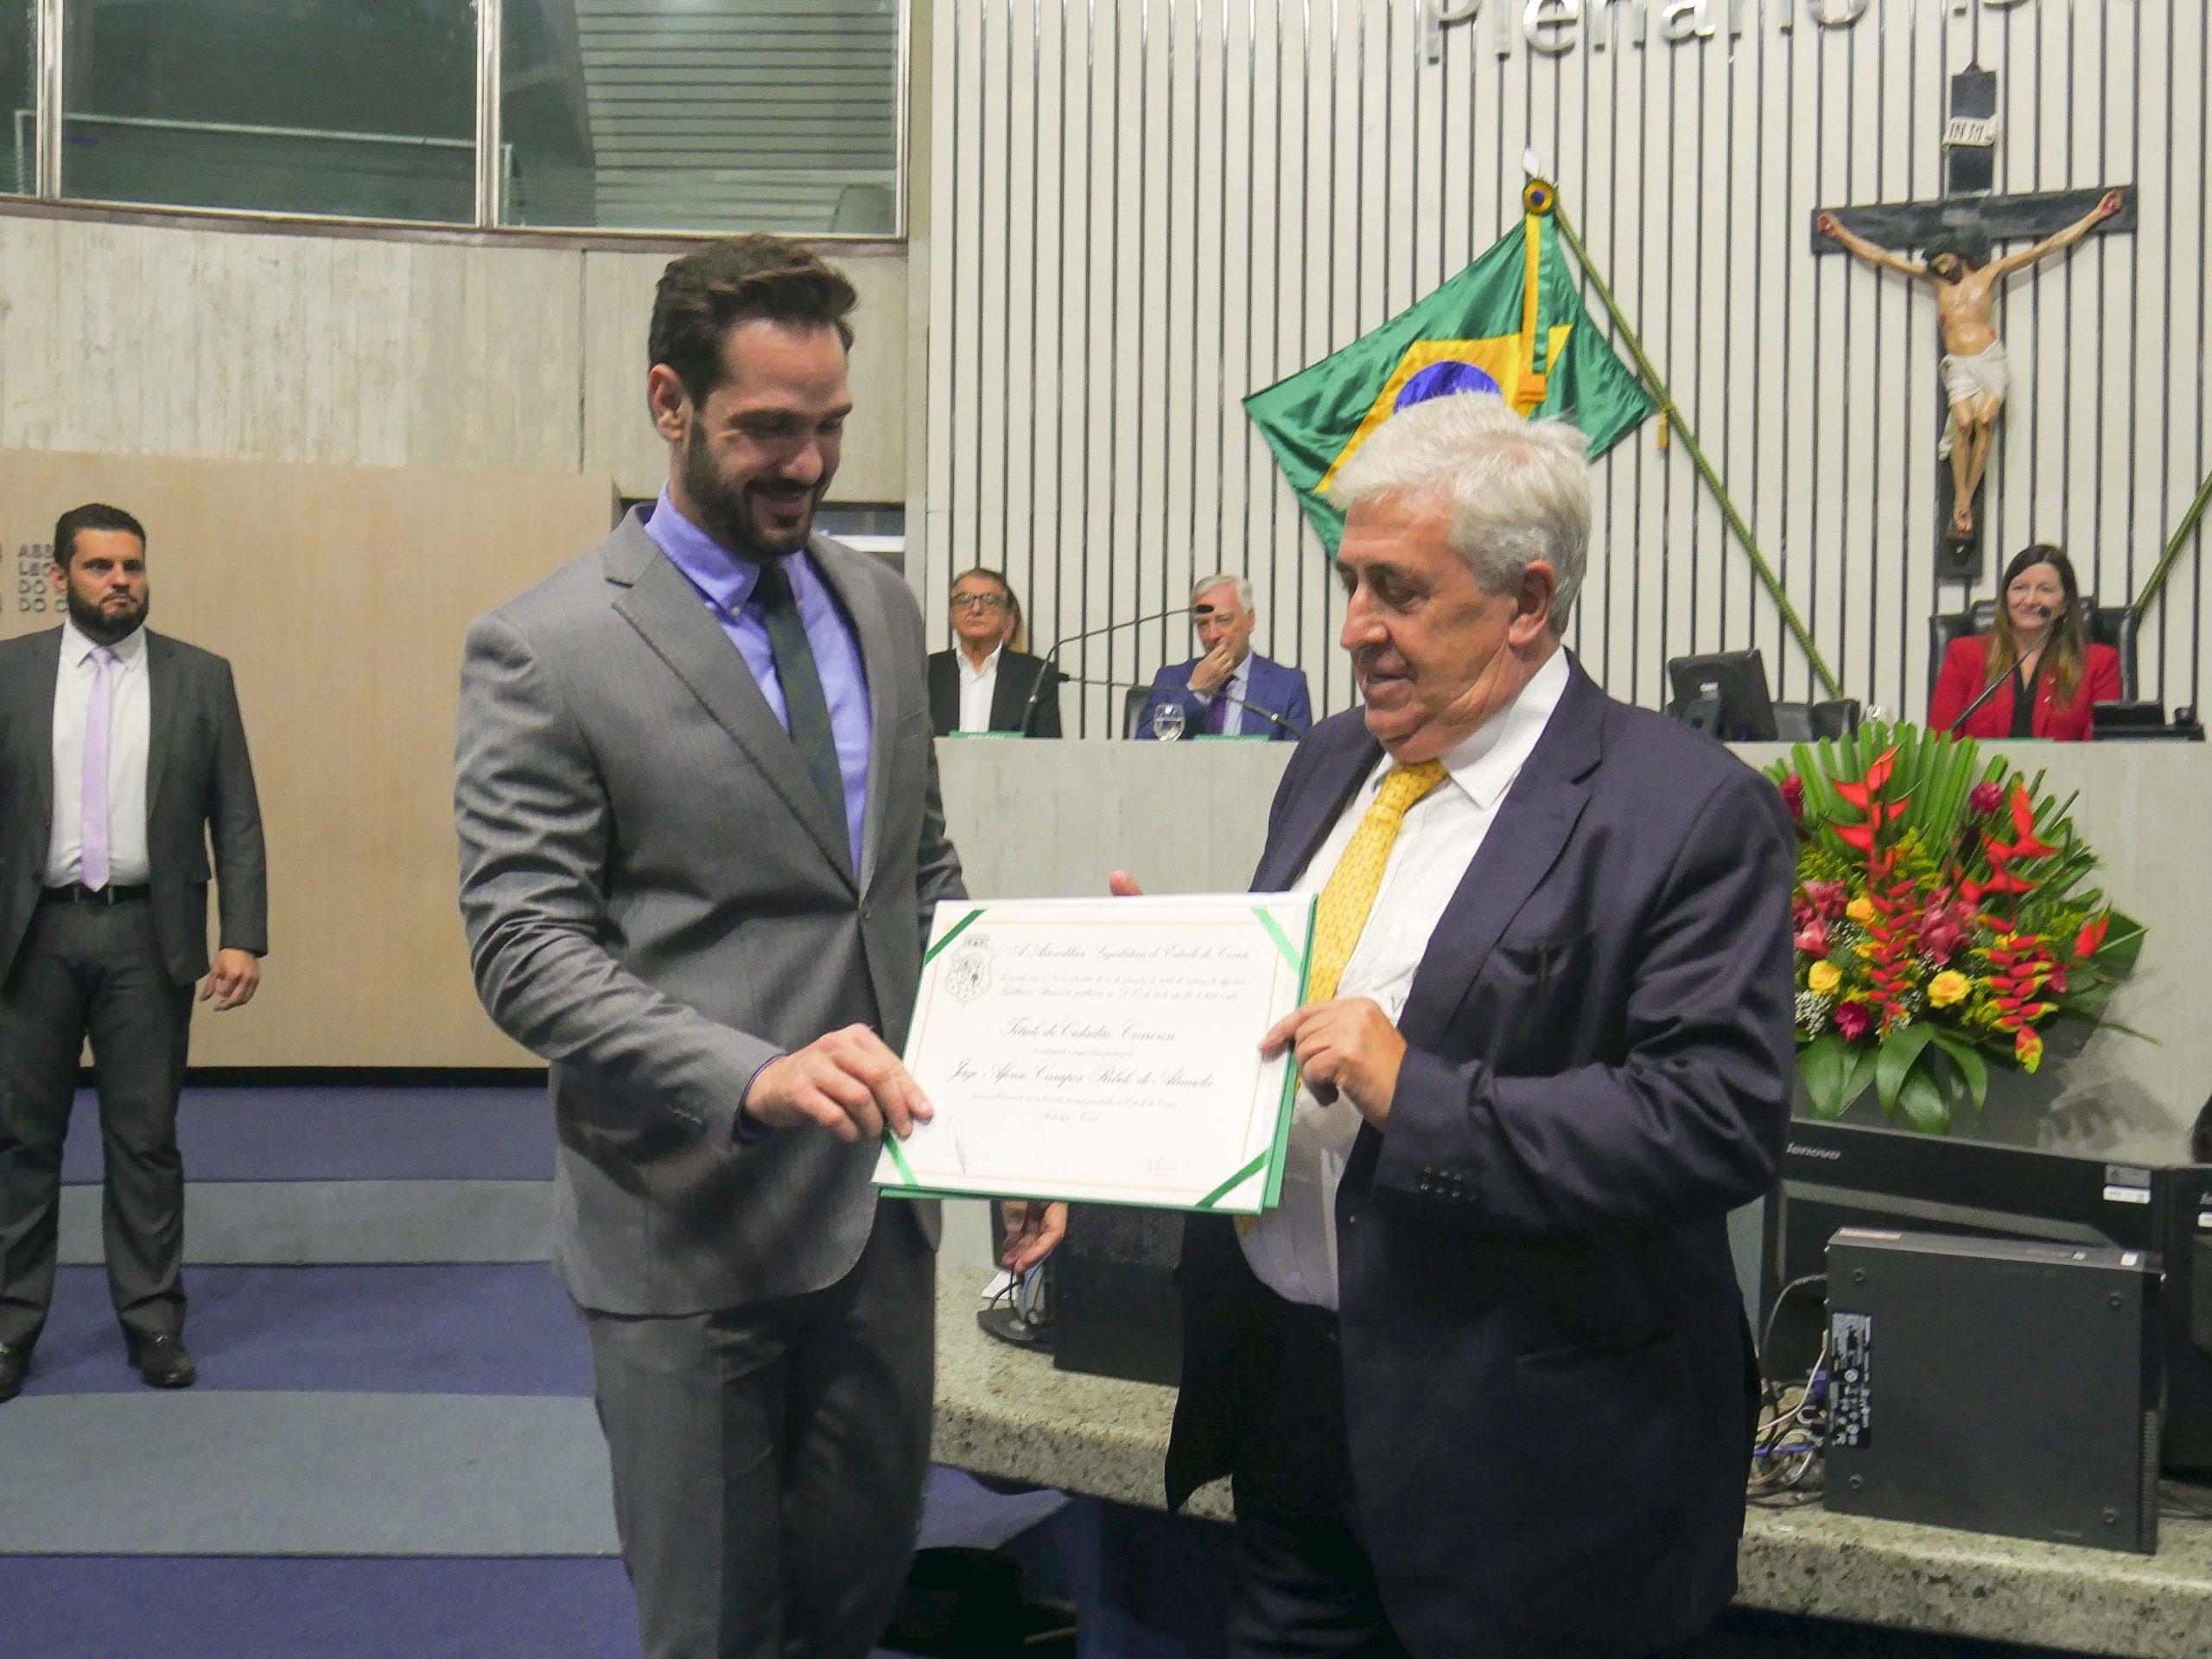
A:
{"x":1510,"y":325}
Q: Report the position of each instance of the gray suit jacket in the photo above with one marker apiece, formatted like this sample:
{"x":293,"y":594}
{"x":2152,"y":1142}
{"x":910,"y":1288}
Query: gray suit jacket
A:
{"x":658,"y":903}
{"x":199,"y":779}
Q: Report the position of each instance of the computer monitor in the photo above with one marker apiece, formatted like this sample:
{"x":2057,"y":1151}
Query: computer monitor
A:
{"x":1724,"y":693}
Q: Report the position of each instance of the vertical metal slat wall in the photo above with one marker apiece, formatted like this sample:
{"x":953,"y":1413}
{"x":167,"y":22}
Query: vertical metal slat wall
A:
{"x":1144,"y":210}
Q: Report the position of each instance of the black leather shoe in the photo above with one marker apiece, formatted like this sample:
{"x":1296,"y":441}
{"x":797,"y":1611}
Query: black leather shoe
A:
{"x":163,"y":1361}
{"x":14,"y":1361}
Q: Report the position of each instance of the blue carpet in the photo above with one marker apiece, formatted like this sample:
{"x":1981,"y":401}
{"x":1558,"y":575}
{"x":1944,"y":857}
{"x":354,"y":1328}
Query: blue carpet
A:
{"x":344,"y":1135}
{"x":224,"y":1607}
{"x":443,"y":1329}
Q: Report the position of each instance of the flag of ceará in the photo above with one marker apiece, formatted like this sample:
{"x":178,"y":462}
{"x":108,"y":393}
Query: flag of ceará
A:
{"x":1510,"y":325}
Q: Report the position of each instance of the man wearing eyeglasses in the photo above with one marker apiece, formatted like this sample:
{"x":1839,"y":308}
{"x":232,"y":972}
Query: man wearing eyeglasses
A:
{"x":985,"y":683}
{"x":1231,"y":690}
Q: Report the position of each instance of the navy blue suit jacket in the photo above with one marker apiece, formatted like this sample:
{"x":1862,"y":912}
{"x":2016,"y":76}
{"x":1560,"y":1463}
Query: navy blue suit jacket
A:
{"x":1548,"y":1374}
{"x":1273,"y":689}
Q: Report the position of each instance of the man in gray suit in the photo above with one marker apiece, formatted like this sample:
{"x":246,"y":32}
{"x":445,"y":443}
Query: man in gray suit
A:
{"x":700,"y":843}
{"x":120,"y":750}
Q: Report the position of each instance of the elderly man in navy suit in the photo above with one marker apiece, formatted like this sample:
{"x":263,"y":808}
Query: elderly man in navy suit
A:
{"x":1231,"y":690}
{"x":1483,"y":1383}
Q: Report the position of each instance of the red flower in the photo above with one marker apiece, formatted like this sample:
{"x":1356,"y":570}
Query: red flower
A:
{"x":1824,"y":899}
{"x":1793,"y":796}
{"x":2058,"y":982}
{"x":1943,"y":929}
{"x":1985,"y":798}
{"x":2091,"y":938}
{"x":1813,"y":937}
{"x":1852,"y":1022}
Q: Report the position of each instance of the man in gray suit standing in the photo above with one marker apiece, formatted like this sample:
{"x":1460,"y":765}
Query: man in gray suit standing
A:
{"x":700,"y":843}
{"x":120,"y":750}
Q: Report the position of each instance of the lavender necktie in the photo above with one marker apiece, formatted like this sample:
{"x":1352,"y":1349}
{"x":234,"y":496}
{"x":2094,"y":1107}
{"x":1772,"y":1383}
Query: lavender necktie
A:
{"x":93,"y":812}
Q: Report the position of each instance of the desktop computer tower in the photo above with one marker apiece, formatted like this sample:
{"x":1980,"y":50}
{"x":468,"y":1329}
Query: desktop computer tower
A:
{"x":1995,"y":1385}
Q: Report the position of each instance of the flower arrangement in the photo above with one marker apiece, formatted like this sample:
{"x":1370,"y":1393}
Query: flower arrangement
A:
{"x":1941,"y":922}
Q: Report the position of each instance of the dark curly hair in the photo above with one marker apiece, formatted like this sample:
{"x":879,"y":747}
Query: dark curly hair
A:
{"x":703,"y":294}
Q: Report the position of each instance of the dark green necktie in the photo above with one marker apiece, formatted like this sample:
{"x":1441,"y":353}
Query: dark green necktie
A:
{"x":806,"y":710}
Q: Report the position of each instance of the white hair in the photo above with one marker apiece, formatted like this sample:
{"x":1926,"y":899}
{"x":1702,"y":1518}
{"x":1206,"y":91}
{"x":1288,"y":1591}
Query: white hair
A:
{"x":1518,"y":491}
{"x":1205,"y":585}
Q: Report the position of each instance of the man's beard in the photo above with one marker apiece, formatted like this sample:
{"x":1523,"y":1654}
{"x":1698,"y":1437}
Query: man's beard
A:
{"x":721,"y":509}
{"x":95,"y":623}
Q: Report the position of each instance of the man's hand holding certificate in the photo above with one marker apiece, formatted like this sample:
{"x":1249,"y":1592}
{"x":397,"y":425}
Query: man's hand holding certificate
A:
{"x":1105,"y":1050}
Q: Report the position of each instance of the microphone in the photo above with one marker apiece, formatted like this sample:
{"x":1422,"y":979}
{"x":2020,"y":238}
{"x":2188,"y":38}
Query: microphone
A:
{"x":1267,"y":714}
{"x":1968,"y":713}
{"x":1051,"y":674}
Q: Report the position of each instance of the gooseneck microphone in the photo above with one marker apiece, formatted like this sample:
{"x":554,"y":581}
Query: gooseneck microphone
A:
{"x":1051,"y":674}
{"x":1267,"y":714}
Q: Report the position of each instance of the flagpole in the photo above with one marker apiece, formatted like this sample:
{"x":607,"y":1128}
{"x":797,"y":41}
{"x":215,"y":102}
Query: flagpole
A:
{"x":1670,"y":412}
{"x":2189,"y":520}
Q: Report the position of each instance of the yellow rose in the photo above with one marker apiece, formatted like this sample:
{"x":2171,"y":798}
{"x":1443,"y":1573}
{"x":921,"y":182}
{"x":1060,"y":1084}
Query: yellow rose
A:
{"x":1948,"y":987}
{"x":1823,"y":979}
{"x":1861,"y":910}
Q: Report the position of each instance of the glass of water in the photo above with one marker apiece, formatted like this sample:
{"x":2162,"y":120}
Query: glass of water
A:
{"x":1168,"y":721}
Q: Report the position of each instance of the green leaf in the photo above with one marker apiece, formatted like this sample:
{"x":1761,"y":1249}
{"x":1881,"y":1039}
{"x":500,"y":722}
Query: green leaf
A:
{"x":1823,"y":1064}
{"x":1860,"y":1079}
{"x":1899,"y":1050}
{"x":1973,"y":1069}
{"x":1921,"y":1097}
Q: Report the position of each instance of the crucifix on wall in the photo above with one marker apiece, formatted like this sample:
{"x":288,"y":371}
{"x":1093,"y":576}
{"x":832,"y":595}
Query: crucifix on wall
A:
{"x":1955,"y":235}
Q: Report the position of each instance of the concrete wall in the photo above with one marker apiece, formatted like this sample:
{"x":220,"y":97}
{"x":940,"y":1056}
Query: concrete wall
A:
{"x":217,"y":342}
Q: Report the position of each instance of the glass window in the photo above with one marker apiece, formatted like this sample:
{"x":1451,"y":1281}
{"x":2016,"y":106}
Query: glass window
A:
{"x":363,"y":109}
{"x":19,"y":85}
{"x":701,"y":115}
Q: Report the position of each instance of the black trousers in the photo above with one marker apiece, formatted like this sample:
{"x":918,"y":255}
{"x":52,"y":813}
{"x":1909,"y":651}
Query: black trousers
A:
{"x":93,"y":971}
{"x":1304,"y":1586}
{"x":769,"y":1459}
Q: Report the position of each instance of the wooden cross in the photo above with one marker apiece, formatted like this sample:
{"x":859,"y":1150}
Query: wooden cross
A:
{"x":1967,"y":207}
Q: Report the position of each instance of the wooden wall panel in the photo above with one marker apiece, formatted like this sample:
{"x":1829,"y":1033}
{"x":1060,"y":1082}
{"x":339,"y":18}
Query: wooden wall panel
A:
{"x":339,"y":595}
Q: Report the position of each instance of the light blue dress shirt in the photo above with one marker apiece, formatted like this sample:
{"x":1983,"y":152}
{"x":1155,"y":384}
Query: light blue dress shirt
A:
{"x":725,"y":582}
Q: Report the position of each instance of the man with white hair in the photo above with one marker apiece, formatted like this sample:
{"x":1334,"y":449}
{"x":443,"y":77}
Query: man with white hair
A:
{"x":1483,"y":1383}
{"x":1231,"y":690}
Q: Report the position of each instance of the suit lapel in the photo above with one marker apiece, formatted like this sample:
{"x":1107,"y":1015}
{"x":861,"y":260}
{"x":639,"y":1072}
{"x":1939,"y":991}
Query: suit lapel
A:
{"x":675,"y":623}
{"x":1316,"y":808}
{"x":43,"y":664}
{"x":944,"y":690}
{"x":1532,"y":825}
{"x":1010,"y":694}
{"x":164,"y":698}
{"x":877,"y":661}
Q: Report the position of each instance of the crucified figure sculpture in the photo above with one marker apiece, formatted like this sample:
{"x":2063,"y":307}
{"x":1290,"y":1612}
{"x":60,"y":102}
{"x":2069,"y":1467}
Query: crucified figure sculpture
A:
{"x":1974,"y":377}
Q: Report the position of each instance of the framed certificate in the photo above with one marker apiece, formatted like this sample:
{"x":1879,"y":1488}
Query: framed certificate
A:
{"x":1105,"y":1050}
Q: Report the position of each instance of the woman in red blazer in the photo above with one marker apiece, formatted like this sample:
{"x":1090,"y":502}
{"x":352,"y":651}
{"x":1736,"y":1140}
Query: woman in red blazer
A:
{"x":2051,"y":674}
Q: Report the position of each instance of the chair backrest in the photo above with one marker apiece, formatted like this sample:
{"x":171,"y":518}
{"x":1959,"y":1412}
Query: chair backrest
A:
{"x":1945,"y":627}
{"x":2116,"y":626}
{"x":1133,"y":703}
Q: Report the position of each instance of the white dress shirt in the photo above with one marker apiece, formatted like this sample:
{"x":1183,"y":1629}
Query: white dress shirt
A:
{"x":977,"y":687}
{"x":1238,"y":686}
{"x":130,"y":718}
{"x":1293,"y":1248}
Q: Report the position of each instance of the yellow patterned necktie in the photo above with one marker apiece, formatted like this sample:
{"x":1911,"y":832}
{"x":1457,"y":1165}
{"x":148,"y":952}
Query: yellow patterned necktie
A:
{"x":1342,"y":913}
{"x":1350,"y":895}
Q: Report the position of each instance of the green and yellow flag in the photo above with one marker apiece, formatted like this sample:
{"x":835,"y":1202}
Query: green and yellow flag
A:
{"x":1512,"y":325}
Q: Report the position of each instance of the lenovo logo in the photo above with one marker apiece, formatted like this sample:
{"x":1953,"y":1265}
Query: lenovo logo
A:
{"x":1796,"y":1150}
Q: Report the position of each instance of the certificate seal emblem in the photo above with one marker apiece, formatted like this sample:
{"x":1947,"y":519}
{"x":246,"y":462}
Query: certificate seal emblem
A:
{"x":968,"y":971}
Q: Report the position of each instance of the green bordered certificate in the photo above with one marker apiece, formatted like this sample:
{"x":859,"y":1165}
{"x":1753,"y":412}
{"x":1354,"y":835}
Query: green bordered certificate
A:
{"x":1105,"y":1050}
